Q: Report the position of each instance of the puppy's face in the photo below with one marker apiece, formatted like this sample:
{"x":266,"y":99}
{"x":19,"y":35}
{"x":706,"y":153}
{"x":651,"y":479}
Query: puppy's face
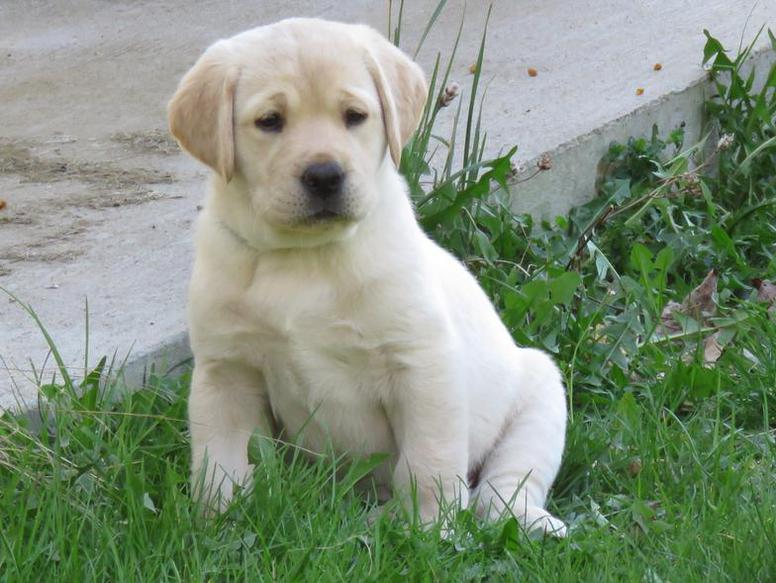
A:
{"x":308,"y":132}
{"x":302,"y":113}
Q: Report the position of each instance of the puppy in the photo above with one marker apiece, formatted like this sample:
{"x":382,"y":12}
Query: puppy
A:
{"x":318,"y":307}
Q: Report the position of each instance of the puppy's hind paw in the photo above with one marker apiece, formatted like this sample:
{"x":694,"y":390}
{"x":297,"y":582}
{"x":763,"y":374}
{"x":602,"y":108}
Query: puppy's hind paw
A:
{"x":538,"y":521}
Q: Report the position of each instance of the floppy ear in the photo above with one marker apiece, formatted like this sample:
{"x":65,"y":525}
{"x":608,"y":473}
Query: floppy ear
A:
{"x":402,"y":89}
{"x":201,"y":111}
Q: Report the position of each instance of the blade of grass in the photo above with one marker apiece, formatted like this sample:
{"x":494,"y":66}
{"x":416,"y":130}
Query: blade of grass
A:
{"x":429,"y":26}
{"x":473,"y":96}
{"x":49,"y":340}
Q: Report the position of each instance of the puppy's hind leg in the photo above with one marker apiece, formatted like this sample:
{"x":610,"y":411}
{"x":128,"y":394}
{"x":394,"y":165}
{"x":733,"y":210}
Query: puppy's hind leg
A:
{"x":517,"y":474}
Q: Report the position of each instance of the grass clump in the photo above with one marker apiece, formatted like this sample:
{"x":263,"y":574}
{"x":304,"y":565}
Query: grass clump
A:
{"x":669,"y":469}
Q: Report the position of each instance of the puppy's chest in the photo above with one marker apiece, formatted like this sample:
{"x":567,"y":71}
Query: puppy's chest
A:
{"x":329,"y":369}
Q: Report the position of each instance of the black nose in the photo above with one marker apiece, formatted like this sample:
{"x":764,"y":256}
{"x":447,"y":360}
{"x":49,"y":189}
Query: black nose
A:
{"x":323,"y":179}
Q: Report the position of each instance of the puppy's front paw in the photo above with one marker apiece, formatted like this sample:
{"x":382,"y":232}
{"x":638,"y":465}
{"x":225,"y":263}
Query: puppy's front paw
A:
{"x":538,"y":520}
{"x":215,"y":489}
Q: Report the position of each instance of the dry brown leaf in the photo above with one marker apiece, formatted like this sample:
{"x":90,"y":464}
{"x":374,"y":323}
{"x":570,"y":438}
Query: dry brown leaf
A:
{"x":640,"y":91}
{"x":712,"y":349}
{"x":667,"y":317}
{"x":3,"y":204}
{"x":634,"y":468}
{"x":766,"y":291}
{"x":532,"y":72}
{"x":699,"y":303}
{"x":657,"y":67}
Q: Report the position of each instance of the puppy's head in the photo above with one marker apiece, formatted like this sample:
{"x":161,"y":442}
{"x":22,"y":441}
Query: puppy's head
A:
{"x":303,"y":113}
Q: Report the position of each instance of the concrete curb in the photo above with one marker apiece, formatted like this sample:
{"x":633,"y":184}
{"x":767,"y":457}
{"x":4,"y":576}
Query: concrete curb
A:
{"x":171,"y":356}
{"x":571,"y":181}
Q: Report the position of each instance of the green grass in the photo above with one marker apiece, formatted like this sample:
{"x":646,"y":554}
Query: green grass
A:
{"x":670,"y":468}
{"x":653,"y":490}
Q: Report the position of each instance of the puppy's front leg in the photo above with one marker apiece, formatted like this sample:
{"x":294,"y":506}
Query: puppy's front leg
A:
{"x":228,"y":402}
{"x":429,"y":418}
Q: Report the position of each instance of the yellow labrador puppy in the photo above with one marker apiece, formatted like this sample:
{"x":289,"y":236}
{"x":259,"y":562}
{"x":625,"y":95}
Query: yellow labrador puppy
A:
{"x":319,"y":307}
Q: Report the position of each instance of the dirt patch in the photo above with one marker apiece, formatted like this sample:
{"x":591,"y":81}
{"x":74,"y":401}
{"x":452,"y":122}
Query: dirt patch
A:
{"x":55,"y":199}
{"x":37,"y":254}
{"x":108,"y":185}
{"x":18,"y":219}
{"x":18,"y":159}
{"x":52,"y":247}
{"x":148,"y":142}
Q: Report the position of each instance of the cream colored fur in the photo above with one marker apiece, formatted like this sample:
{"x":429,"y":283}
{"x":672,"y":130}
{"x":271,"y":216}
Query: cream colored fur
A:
{"x":357,"y":331}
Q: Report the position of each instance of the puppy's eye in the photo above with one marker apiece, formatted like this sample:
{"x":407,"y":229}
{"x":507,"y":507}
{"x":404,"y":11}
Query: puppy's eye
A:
{"x":272,"y":122}
{"x":353,"y":117}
